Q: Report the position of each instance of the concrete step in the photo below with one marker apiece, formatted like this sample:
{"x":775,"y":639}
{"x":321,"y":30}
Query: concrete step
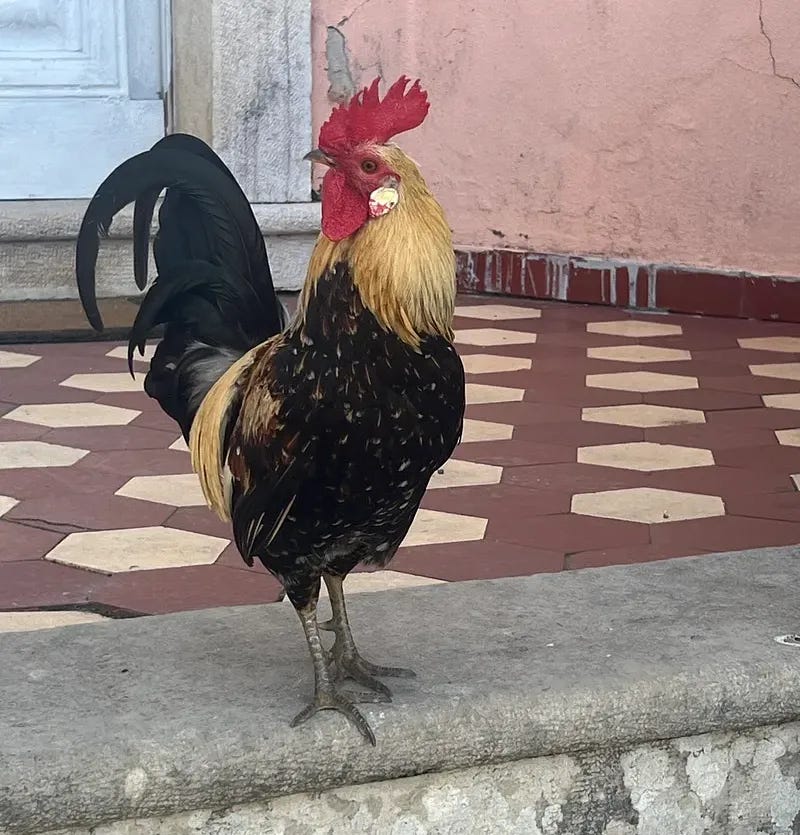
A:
{"x":633,"y":700}
{"x":37,"y":248}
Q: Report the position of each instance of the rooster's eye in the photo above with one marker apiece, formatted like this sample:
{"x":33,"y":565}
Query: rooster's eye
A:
{"x":369,"y":167}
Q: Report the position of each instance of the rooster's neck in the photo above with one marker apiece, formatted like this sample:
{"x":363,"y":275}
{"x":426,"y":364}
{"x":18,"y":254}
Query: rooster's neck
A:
{"x":402,"y":264}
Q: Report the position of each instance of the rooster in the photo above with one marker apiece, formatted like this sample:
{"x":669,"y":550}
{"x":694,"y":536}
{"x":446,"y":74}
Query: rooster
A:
{"x":315,"y":438}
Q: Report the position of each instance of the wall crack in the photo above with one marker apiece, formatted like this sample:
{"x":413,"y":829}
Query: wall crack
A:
{"x":768,"y":39}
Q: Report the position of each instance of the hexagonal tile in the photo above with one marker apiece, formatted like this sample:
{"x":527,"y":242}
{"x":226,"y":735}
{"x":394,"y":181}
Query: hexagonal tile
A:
{"x":179,"y":445}
{"x":649,"y":505}
{"x":60,"y":415}
{"x":781,"y":401}
{"x":781,"y":370}
{"x":796,"y":480}
{"x":781,"y":344}
{"x":634,"y":329}
{"x":121,"y":352}
{"x":30,"y":621}
{"x":12,"y":359}
{"x":788,"y":437}
{"x":494,"y":336}
{"x":137,"y":549}
{"x":479,"y":393}
{"x":434,"y":527}
{"x":112,"y":383}
{"x":497,"y":311}
{"x":18,"y":454}
{"x":360,"y":582}
{"x":6,"y":503}
{"x":457,"y":473}
{"x":489,"y":364}
{"x":176,"y":490}
{"x":638,"y":353}
{"x":641,"y":381}
{"x":485,"y":430}
{"x":642,"y":415}
{"x":645,"y":456}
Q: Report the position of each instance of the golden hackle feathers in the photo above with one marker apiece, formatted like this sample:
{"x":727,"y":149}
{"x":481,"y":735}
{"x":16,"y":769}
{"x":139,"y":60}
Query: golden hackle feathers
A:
{"x":207,"y":437}
{"x":403,"y":263}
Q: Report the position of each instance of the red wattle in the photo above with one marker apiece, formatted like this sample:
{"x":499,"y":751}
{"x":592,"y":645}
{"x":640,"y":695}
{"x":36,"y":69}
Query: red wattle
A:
{"x":344,"y":209}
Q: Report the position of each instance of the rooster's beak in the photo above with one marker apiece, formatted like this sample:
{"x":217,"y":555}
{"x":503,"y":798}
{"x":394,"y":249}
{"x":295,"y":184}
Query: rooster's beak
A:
{"x":318,"y":156}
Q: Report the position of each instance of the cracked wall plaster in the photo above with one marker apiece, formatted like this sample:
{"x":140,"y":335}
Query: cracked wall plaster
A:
{"x":659,"y":131}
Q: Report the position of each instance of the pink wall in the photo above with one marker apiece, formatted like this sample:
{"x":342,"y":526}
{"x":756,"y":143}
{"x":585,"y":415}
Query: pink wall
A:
{"x":652,"y":129}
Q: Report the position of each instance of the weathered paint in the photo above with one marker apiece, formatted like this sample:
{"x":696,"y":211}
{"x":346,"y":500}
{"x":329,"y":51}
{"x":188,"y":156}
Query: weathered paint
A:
{"x":664,"y":132}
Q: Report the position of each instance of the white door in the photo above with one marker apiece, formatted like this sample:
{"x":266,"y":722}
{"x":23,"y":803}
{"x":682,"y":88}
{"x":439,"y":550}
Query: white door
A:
{"x":81,"y":89}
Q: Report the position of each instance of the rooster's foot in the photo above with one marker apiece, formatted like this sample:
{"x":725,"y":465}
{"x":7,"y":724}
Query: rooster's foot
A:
{"x":330,"y":698}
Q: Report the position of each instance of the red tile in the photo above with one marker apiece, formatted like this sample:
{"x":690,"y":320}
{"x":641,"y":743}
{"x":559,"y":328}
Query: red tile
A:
{"x":497,"y":501}
{"x":706,"y":400}
{"x":514,"y":453}
{"x":53,"y":481}
{"x":201,"y":520}
{"x":588,"y":285}
{"x":23,"y":542}
{"x":104,"y":511}
{"x":111,"y":438}
{"x":781,"y":506}
{"x":751,"y":384}
{"x":523,"y":414}
{"x":35,"y":583}
{"x":755,"y":417}
{"x":573,"y":478}
{"x":711,"y":436}
{"x":779,"y":459}
{"x":137,"y":462}
{"x":726,"y":533}
{"x":182,"y":589}
{"x":568,"y":532}
{"x":627,"y":556}
{"x":722,"y":481}
{"x":581,"y":433}
{"x":483,"y":560}
{"x":772,"y":298}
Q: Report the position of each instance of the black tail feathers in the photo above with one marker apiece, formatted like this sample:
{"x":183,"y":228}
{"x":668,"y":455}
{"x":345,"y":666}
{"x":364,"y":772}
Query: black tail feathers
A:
{"x":213,"y":291}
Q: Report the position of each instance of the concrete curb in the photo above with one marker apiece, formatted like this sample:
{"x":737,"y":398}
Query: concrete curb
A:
{"x":149,"y":717}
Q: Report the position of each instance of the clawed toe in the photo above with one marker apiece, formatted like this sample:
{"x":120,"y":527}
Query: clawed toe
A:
{"x":333,"y":700}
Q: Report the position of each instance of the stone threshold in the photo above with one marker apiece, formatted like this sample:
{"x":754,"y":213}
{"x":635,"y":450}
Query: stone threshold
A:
{"x":628,"y":283}
{"x":37,"y":248}
{"x":576,"y":697}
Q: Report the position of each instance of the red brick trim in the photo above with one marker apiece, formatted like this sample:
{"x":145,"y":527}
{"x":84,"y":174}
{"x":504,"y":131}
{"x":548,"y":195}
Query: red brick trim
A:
{"x":629,"y":284}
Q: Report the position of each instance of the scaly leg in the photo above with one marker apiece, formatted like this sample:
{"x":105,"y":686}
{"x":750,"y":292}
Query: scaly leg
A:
{"x":348,"y":661}
{"x":326,"y":694}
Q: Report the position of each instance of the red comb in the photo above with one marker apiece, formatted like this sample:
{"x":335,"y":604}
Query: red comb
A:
{"x":368,"y":119}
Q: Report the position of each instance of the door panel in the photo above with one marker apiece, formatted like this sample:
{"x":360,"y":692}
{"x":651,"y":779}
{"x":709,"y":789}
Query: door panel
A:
{"x":81,"y":86}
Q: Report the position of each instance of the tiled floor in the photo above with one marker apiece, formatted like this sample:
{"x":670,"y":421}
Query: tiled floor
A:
{"x":593,"y":437}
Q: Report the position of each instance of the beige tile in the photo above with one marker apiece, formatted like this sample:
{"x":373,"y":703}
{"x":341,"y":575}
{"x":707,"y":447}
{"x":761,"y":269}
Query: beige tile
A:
{"x":121,"y":352}
{"x":494,"y":336}
{"x":485,"y":430}
{"x":112,"y":383}
{"x":649,"y":505}
{"x":781,"y":344}
{"x":488,"y":363}
{"x":175,"y":490}
{"x":788,"y":437}
{"x":137,"y":549}
{"x":634,"y":329}
{"x":781,"y":370}
{"x":58,"y":415}
{"x":434,"y":527}
{"x":638,"y":353}
{"x":465,"y":474}
{"x":497,"y":312}
{"x":479,"y":393}
{"x":12,"y":359}
{"x":642,"y":415}
{"x":368,"y":581}
{"x":6,"y":503}
{"x":782,"y":401}
{"x":30,"y":621}
{"x":18,"y":454}
{"x":641,"y":381}
{"x":645,"y":456}
{"x":796,"y":480}
{"x":179,"y":445}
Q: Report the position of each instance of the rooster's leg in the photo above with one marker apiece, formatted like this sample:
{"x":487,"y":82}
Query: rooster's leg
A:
{"x":348,"y":661}
{"x":326,"y":694}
